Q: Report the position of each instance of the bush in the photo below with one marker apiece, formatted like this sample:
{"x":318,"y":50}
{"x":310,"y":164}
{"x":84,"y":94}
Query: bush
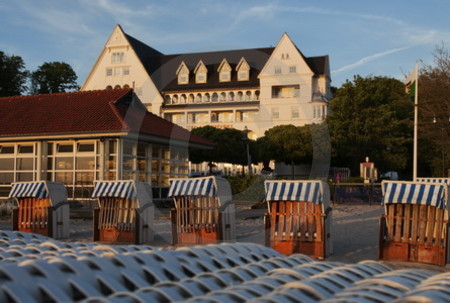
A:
{"x":247,"y":188}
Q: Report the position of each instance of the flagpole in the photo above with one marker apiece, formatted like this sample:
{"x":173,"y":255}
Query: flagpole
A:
{"x":416,"y":118}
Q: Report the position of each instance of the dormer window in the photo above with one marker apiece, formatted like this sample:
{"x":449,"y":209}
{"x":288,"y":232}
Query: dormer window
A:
{"x":224,"y":71}
{"x":183,"y":74}
{"x":200,"y":72}
{"x":243,"y":70}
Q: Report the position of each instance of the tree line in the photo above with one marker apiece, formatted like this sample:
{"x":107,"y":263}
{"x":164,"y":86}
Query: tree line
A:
{"x":50,"y":77}
{"x":369,"y":117}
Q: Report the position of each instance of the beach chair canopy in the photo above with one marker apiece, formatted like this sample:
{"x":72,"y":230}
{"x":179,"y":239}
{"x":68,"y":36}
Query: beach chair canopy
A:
{"x":314,"y":191}
{"x":55,"y":191}
{"x":422,"y":193}
{"x":125,"y":189}
{"x":434,"y":180}
{"x":204,"y":187}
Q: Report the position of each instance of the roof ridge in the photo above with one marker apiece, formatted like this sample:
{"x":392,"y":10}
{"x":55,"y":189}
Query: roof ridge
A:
{"x":117,"y":113}
{"x":65,"y":93}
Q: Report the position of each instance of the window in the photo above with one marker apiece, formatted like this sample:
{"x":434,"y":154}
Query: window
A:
{"x":200,"y":78}
{"x":292,"y":69}
{"x":275,"y":113}
{"x":109,"y":72}
{"x":277,"y":70}
{"x":117,"y":57}
{"x":295,"y":113}
{"x":183,"y":79}
{"x":286,"y":91}
{"x":243,"y":75}
{"x":117,"y":71}
{"x":225,"y":76}
{"x":126,"y":71}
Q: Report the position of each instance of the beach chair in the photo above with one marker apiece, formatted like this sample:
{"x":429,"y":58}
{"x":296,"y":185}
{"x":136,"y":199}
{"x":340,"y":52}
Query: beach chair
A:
{"x":125,"y":212}
{"x":204,"y":212}
{"x":415,"y":225}
{"x":298,"y":218}
{"x":42,"y":208}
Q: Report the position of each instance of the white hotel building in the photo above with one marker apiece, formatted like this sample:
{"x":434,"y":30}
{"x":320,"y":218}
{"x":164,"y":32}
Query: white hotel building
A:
{"x":253,"y":89}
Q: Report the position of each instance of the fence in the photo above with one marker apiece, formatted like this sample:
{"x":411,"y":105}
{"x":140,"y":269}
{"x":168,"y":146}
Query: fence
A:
{"x":356,"y":193}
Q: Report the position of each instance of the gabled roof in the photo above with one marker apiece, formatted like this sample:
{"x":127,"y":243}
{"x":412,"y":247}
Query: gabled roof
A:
{"x":87,"y":112}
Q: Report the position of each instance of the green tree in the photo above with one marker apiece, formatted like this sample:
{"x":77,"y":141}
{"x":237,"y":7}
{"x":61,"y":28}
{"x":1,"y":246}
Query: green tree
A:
{"x":230,"y":146}
{"x":53,"y":77}
{"x":372,"y":117}
{"x":13,"y":75}
{"x":287,"y":143}
{"x":434,"y":115}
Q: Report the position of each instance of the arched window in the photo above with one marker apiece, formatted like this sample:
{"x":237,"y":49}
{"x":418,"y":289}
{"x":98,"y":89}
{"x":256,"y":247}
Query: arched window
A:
{"x":231,"y":96}
{"x":175,"y":99}
{"x":206,"y":98}
{"x":109,"y":87}
{"x":248,"y":95}
{"x":191,"y":98}
{"x":126,"y":86}
{"x":167,"y":99}
{"x":215,"y":97}
{"x":239,"y":96}
{"x":183,"y":98}
{"x":214,"y":117}
{"x":198,"y":98}
{"x":257,"y":95}
{"x":223,"y":97}
{"x":117,"y":86}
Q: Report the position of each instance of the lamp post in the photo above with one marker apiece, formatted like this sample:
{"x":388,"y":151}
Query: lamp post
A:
{"x":249,"y":157}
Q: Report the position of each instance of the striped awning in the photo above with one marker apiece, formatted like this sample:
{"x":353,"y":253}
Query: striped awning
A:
{"x":414,"y":193}
{"x":118,"y":189}
{"x":434,"y":180}
{"x":193,"y":187}
{"x":29,"y":190}
{"x":309,"y":191}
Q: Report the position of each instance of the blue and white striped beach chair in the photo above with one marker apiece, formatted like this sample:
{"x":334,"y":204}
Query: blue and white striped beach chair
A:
{"x":299,"y":217}
{"x":125,"y":213}
{"x":415,"y":224}
{"x":204,"y":211}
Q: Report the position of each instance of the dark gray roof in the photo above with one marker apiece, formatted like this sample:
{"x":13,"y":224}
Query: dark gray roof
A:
{"x":162,"y":68}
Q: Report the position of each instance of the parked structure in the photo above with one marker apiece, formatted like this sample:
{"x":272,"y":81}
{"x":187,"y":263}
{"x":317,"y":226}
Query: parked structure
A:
{"x":204,"y":211}
{"x":125,"y":212}
{"x":42,"y":208}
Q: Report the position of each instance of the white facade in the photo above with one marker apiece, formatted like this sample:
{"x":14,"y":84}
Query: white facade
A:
{"x":248,"y":89}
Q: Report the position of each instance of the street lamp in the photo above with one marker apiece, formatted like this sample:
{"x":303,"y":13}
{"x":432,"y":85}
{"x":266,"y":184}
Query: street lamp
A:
{"x":249,"y":157}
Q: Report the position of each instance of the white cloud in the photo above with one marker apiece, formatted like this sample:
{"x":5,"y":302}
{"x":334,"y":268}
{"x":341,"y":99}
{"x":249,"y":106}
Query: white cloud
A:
{"x":369,"y":59}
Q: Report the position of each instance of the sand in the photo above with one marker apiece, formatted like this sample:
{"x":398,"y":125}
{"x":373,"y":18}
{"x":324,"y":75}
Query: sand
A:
{"x":355,"y":230}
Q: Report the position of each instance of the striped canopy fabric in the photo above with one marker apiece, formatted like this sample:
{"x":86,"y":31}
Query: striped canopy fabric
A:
{"x":434,"y":180}
{"x":309,"y":191}
{"x":415,"y":193}
{"x":29,"y":190}
{"x":193,"y":187}
{"x":117,"y":189}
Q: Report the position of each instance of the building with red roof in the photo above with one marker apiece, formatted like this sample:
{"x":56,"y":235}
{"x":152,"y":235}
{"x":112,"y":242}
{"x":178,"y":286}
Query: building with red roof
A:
{"x":79,"y":137}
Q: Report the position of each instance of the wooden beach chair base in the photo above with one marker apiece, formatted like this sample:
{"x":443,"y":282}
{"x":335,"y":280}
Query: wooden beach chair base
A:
{"x":33,"y":216}
{"x":414,"y":233}
{"x":113,"y":235}
{"x":296,"y":227}
{"x":194,"y":234}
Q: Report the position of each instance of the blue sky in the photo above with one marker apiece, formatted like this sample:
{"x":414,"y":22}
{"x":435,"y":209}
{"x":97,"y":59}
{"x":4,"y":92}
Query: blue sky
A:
{"x":381,"y":37}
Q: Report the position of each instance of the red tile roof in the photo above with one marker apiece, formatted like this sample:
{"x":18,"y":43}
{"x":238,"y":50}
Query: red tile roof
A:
{"x":85,"y":112}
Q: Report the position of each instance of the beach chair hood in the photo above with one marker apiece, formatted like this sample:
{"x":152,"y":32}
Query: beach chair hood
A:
{"x":315,"y":191}
{"x":56,"y":192}
{"x":422,"y":193}
{"x":211,"y":186}
{"x":126,"y":189}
